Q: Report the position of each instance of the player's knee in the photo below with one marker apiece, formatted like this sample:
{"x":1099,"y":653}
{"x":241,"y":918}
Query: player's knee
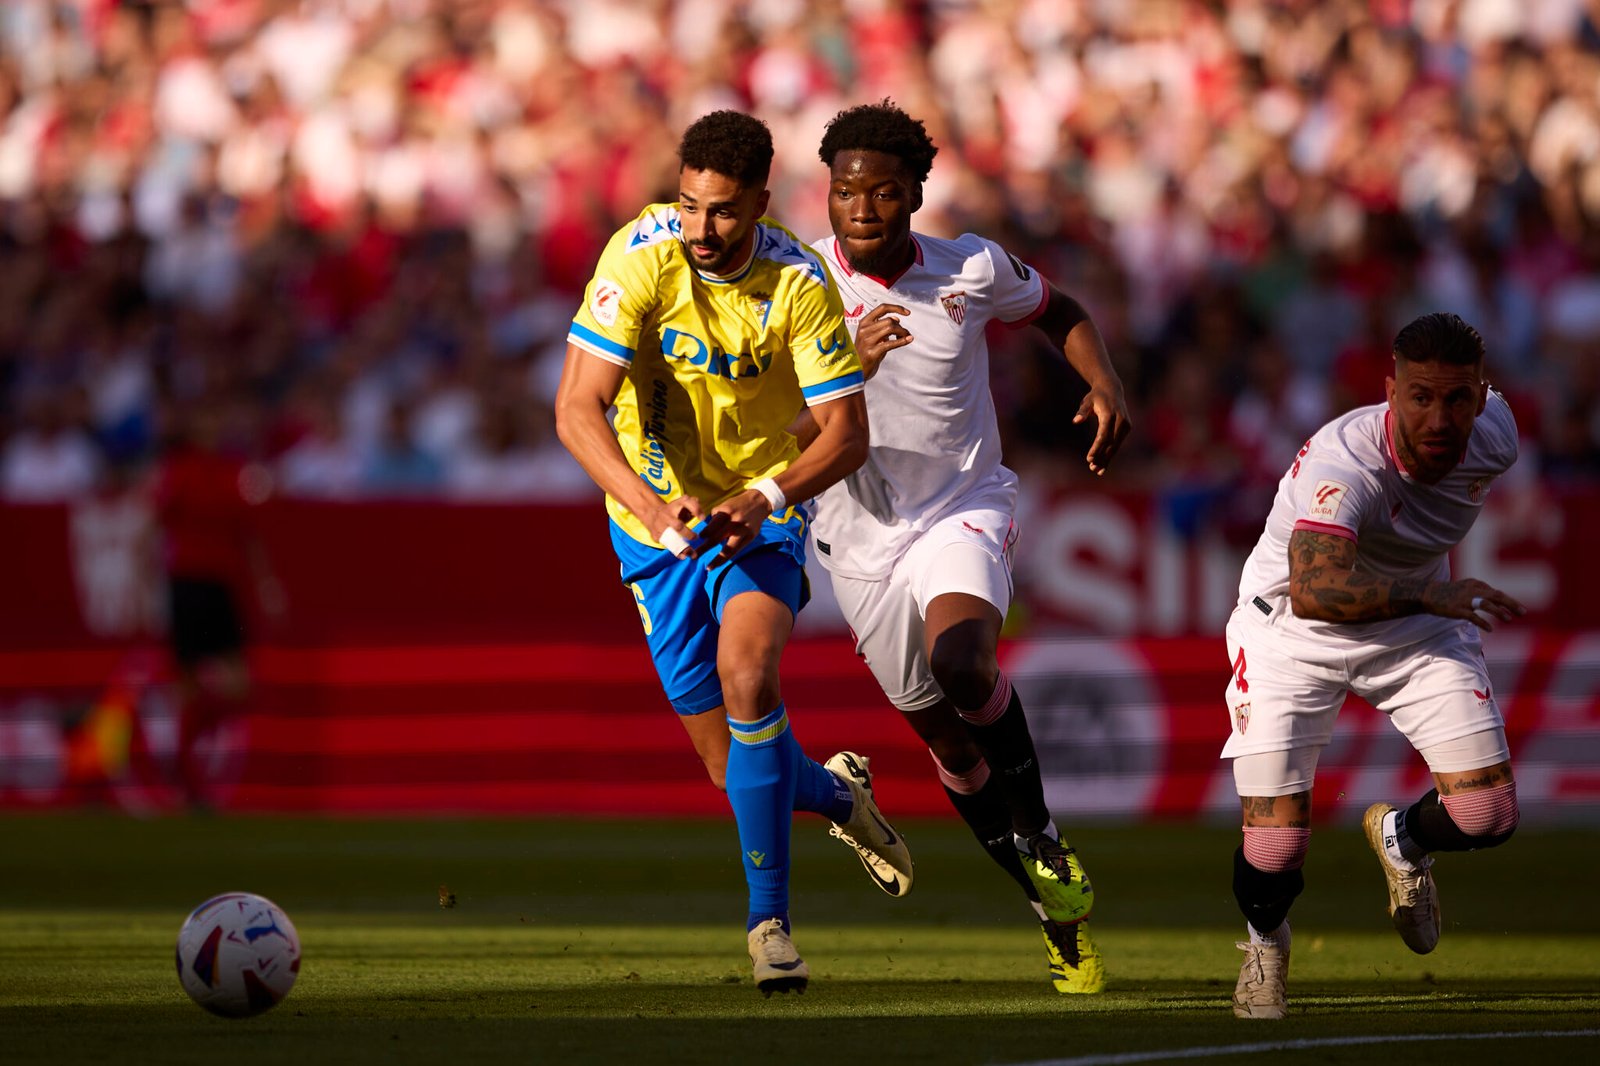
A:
{"x":749,"y":691}
{"x":1486,"y":816}
{"x":965,"y":673}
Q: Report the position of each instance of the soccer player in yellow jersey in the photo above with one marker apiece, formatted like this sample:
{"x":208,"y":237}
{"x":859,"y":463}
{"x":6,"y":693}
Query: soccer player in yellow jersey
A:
{"x":707,"y":326}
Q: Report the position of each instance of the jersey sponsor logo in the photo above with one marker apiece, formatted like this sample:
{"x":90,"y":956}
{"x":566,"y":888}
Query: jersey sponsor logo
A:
{"x":837,"y":350}
{"x":837,"y":339}
{"x":1326,"y":499}
{"x":955,"y":305}
{"x":655,"y":429}
{"x":678,"y":345}
{"x":606,"y":301}
{"x":1022,"y":272}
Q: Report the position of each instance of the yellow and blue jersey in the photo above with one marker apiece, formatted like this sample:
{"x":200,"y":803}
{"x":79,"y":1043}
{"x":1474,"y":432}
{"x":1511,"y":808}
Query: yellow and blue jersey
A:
{"x":717,"y":366}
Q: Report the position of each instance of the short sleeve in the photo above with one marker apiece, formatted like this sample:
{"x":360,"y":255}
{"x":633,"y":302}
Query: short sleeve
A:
{"x":1019,"y":292}
{"x":618,"y":298}
{"x":825,"y":360}
{"x":1331,"y":497}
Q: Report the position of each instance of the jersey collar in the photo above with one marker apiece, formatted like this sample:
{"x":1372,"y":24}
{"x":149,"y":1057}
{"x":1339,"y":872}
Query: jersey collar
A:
{"x":888,"y":283}
{"x":1388,"y":442}
{"x":737,"y":275}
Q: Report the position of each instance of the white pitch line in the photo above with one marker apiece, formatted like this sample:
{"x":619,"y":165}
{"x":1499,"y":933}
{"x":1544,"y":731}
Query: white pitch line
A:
{"x":1126,"y":1058}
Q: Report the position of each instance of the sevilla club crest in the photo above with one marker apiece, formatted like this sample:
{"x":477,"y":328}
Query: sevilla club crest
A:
{"x":955,"y":305}
{"x":1241,"y":715}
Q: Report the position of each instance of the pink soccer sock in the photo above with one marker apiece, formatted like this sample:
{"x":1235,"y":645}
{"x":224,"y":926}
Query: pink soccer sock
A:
{"x":1275,"y":848}
{"x":969,"y":783}
{"x":1484,"y":812}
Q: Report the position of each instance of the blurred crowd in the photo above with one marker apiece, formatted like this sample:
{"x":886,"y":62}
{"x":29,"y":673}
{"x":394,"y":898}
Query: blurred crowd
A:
{"x":357,"y":229}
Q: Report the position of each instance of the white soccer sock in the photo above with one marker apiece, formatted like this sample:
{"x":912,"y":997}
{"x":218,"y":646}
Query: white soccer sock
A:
{"x":1049,"y":830}
{"x":1277,"y":939}
{"x":1393,"y":828}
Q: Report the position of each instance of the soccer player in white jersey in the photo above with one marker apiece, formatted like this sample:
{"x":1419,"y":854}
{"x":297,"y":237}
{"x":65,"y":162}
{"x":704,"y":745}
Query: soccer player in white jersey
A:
{"x":1349,"y":590}
{"x":705,"y":327}
{"x":917,"y":542}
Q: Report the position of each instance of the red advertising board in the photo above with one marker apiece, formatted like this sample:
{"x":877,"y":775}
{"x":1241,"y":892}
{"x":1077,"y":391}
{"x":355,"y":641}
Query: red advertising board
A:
{"x":1125,"y":729}
{"x":374,"y":573}
{"x":478,"y":659}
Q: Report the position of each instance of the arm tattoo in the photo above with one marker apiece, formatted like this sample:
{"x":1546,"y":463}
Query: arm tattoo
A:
{"x":1324,"y":585}
{"x":1405,"y":595}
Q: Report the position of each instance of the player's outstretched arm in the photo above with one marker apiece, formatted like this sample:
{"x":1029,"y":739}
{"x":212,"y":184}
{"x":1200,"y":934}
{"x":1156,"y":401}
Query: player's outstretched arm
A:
{"x":1070,"y":328}
{"x":589,"y":385}
{"x":1324,"y":586}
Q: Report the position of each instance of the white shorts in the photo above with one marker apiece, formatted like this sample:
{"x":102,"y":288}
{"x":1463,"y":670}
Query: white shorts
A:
{"x":1283,"y":773}
{"x":968,"y":552}
{"x":1434,"y":691}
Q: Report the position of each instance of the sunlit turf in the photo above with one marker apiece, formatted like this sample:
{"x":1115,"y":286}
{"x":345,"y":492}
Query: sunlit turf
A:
{"x":601,"y":941}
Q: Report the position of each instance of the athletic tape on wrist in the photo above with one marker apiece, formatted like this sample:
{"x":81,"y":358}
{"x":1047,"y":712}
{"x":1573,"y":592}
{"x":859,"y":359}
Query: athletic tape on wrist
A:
{"x":673,"y":541}
{"x":775,"y":497}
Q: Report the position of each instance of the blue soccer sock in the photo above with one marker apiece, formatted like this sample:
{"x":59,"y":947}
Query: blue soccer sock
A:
{"x":818,"y":790}
{"x":762,"y":765}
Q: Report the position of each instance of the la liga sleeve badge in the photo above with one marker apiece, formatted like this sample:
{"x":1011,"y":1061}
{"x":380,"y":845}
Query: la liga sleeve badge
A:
{"x":1326,"y":499}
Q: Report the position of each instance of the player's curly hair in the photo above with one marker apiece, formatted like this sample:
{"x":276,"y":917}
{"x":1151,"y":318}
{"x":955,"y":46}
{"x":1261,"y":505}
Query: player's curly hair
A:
{"x":1440,"y":337}
{"x":730,"y":143}
{"x":880,"y":127}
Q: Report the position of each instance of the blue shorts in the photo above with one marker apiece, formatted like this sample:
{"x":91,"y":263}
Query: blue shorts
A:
{"x":681,"y":602}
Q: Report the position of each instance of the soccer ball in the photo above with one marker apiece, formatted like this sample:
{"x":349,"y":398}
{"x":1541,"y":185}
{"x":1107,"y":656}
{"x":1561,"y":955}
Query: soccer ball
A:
{"x":238,"y":955}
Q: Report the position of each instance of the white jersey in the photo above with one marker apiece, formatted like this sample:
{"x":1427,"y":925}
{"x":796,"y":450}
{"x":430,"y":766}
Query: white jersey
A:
{"x":1348,"y":481}
{"x":935,"y":440}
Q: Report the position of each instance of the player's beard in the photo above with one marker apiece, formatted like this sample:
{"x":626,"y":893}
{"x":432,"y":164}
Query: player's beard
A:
{"x":1426,"y":466}
{"x":884,"y":258}
{"x":716,"y":265}
{"x":876,"y":264}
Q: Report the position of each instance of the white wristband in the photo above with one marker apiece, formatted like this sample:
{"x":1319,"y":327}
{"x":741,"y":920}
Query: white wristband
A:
{"x":775,"y":497}
{"x":673,"y":541}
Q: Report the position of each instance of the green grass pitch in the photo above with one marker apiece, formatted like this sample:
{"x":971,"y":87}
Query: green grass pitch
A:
{"x":588,"y":941}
